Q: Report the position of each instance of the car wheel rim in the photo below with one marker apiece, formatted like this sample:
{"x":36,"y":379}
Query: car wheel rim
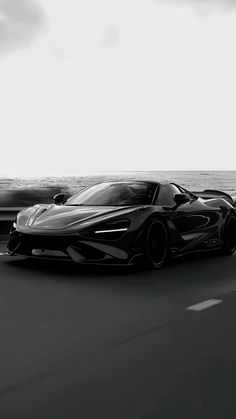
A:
{"x":156,"y":243}
{"x":231,"y":234}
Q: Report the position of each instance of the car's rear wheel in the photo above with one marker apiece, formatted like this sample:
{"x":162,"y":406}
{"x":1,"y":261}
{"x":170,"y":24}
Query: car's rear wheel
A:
{"x":230,"y":235}
{"x":156,"y":244}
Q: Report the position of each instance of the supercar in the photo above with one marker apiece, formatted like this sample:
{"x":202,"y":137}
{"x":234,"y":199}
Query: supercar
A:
{"x":125,"y":223}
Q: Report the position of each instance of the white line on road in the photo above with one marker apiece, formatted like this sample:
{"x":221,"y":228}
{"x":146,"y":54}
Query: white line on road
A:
{"x":204,"y":305}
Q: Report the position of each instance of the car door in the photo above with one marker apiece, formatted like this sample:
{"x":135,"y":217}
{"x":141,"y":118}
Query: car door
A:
{"x":191,"y":219}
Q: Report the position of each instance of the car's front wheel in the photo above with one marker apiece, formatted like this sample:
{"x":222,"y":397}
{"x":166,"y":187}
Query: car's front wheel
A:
{"x":230,"y":235}
{"x":156,"y":244}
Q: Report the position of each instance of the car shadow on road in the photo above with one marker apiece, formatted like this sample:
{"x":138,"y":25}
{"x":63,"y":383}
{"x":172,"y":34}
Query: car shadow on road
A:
{"x":192,"y":268}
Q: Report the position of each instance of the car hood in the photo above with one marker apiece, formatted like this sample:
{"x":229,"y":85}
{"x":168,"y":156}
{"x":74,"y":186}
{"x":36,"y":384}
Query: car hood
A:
{"x":56,"y":217}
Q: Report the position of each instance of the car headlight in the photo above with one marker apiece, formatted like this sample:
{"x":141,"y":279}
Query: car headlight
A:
{"x":111,"y":230}
{"x":13,"y":227}
{"x":107,"y":231}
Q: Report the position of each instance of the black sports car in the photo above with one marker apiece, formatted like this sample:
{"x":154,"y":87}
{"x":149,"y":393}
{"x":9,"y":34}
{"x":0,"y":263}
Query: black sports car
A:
{"x":126,"y":222}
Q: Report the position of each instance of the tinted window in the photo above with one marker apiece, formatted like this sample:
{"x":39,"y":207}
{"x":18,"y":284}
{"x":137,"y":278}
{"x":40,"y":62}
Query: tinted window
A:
{"x":116,"y":194}
{"x":191,"y":195}
{"x":166,"y":195}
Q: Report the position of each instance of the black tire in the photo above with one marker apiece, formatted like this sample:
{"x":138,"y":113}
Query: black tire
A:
{"x":230,"y":235}
{"x":156,"y":244}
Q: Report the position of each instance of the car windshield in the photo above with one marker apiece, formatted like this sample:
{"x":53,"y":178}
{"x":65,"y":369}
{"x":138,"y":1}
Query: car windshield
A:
{"x":133,"y":193}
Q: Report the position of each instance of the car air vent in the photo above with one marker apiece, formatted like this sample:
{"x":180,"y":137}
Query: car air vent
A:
{"x":41,"y":211}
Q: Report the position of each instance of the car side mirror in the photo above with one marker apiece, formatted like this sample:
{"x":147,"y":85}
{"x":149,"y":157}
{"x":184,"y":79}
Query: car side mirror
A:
{"x":59,"y":199}
{"x":181,"y":198}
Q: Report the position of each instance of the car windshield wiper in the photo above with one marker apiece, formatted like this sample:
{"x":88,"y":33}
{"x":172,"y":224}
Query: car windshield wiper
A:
{"x":104,"y":205}
{"x":75,"y":205}
{"x":98,"y":205}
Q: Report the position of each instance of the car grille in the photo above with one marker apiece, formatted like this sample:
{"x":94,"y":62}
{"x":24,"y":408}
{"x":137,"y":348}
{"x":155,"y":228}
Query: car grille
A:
{"x":46,"y":242}
{"x":30,"y":241}
{"x":24,"y":244}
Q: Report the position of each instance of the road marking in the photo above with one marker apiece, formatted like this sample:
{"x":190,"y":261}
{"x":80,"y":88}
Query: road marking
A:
{"x":204,"y":305}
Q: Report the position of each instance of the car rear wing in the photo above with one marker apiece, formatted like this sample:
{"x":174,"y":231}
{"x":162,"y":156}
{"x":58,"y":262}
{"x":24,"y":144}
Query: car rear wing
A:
{"x":213,"y":193}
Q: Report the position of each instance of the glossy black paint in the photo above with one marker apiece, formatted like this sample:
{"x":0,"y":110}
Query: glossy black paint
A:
{"x":193,"y":222}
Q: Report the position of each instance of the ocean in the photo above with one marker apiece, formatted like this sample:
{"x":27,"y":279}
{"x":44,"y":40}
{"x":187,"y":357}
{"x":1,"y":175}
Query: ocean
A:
{"x":223,"y":180}
{"x":21,"y":192}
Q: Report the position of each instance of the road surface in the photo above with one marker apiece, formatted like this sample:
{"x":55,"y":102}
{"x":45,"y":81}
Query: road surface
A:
{"x":89,"y":343}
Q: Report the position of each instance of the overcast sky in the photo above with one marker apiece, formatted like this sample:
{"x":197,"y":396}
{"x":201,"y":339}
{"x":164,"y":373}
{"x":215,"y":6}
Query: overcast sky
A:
{"x":117,"y":85}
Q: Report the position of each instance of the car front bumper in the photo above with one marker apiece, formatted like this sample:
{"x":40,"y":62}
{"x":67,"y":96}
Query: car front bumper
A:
{"x":70,"y":247}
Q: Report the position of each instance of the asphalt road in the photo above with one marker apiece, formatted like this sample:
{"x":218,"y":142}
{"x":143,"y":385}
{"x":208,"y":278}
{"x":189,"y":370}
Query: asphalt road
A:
{"x":80,"y":343}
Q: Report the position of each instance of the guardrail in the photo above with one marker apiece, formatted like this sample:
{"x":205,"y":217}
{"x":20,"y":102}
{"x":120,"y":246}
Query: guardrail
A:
{"x":7,"y":216}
